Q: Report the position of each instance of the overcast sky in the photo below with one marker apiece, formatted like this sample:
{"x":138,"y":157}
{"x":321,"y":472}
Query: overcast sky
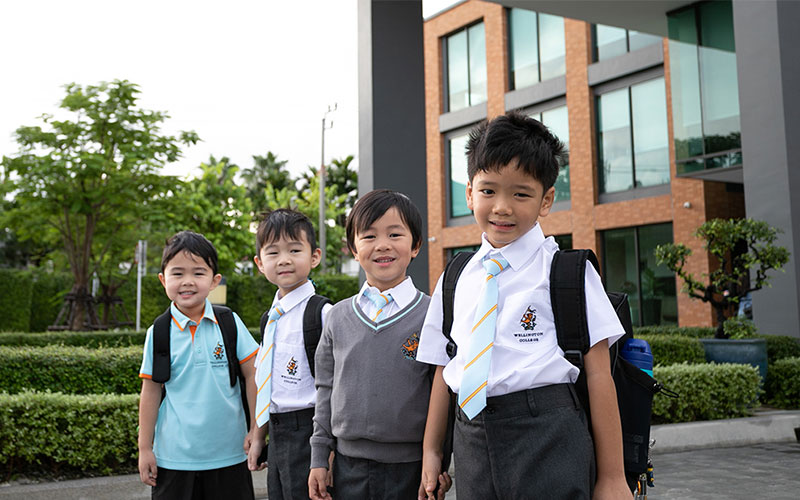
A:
{"x":247,"y":76}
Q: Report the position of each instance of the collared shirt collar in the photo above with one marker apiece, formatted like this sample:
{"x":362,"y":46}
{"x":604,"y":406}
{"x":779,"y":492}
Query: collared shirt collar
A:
{"x":181,"y":319}
{"x":519,"y":251}
{"x":296,"y":296}
{"x":402,"y":294}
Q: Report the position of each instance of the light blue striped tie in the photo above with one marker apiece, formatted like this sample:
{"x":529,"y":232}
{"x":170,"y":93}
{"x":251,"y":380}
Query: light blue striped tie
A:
{"x":472,"y":394}
{"x":380,"y":301}
{"x":264,"y":367}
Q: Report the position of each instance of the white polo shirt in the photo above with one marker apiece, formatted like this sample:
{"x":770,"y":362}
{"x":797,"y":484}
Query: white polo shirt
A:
{"x":292,"y":383}
{"x":526,"y":352}
{"x":402,"y":295}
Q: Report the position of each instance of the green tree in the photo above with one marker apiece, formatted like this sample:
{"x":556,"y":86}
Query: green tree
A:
{"x":744,"y":249}
{"x":214,"y":206}
{"x":266,"y":171}
{"x":80,"y":178}
{"x":338,"y":174}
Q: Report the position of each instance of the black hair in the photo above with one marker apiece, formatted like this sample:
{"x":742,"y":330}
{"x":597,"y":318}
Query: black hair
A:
{"x":193,"y":243}
{"x":517,"y":139}
{"x":373,"y":205}
{"x":284,"y":222}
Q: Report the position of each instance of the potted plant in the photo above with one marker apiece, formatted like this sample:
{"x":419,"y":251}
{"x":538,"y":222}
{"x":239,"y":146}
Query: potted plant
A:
{"x":741,"y":345}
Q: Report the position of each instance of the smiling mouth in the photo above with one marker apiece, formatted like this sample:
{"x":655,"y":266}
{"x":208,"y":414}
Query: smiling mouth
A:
{"x":284,"y":273}
{"x":187,"y":293}
{"x":502,"y":225}
{"x":384,"y":260}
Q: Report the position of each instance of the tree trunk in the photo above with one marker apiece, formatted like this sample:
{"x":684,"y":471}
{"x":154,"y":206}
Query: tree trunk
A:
{"x":720,"y":333}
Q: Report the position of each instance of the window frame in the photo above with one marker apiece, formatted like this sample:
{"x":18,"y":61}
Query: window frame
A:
{"x":445,"y":67}
{"x":509,"y":51}
{"x":450,"y":220}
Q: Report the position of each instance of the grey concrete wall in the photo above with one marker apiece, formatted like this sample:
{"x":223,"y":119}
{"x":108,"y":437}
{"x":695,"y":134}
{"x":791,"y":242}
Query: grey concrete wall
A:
{"x":767,"y":51}
{"x":392,"y":107}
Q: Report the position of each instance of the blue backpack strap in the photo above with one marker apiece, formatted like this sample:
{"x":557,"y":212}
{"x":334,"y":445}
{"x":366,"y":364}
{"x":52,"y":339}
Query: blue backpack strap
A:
{"x":312,"y":326}
{"x":161,"y":352}
{"x":451,"y":273}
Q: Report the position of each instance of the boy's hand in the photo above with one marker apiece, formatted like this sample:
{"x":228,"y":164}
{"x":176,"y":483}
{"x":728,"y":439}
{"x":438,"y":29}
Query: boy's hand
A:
{"x":317,"y":489}
{"x":147,"y":467}
{"x":253,"y":454}
{"x":612,"y":490}
{"x":431,"y":477}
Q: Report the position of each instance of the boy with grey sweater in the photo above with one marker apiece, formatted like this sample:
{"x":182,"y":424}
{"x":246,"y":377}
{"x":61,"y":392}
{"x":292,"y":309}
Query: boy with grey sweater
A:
{"x":372,"y":394}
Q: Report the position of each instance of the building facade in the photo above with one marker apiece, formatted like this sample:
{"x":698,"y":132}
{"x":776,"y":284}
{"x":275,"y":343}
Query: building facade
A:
{"x":651,"y":99}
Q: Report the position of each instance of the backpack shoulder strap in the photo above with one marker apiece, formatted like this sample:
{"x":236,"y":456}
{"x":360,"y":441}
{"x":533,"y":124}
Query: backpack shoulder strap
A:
{"x":449,"y":281}
{"x":161,"y":352}
{"x":229,"y":337}
{"x":312,"y":326}
{"x":568,"y":300}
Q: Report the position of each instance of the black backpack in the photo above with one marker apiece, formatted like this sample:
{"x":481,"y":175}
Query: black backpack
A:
{"x":635,"y":388}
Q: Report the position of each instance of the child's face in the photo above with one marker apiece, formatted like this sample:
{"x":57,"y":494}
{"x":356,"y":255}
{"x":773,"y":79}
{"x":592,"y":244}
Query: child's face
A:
{"x":507,"y":203}
{"x":384,"y":250}
{"x":286,"y":262}
{"x":187,"y":280}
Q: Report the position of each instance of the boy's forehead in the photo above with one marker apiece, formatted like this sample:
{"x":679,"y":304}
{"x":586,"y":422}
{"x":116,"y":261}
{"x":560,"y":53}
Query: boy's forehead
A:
{"x":499,"y":172}
{"x":286,"y":239}
{"x":186,"y":258}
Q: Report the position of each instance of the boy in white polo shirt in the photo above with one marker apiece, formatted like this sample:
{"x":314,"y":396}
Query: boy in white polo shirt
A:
{"x":287,"y":251}
{"x":190,"y":443}
{"x":520,"y":431}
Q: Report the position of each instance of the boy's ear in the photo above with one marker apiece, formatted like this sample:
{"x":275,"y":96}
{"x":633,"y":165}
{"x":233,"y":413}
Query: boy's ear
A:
{"x":215,"y":281}
{"x":257,"y":260}
{"x":316,"y":257}
{"x":415,"y":251}
{"x":161,"y":279}
{"x":547,"y":201}
{"x":468,"y":194}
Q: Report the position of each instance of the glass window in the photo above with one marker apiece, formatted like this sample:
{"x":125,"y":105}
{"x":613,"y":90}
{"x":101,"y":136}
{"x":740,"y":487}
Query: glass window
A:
{"x":564,"y":241}
{"x":630,"y":267}
{"x":457,"y":147}
{"x":705,"y":93}
{"x":466,"y":68}
{"x":536,"y":47}
{"x":610,"y":41}
{"x":632,"y":137}
{"x":557,"y":120}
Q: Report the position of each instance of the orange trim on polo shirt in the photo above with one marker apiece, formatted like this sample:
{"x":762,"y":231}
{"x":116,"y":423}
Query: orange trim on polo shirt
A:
{"x":144,"y":375}
{"x":177,"y":324}
{"x":248,"y":357}
{"x":193,"y":328}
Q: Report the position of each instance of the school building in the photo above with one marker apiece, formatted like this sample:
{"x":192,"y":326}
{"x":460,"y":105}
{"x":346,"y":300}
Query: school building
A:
{"x":674,"y":113}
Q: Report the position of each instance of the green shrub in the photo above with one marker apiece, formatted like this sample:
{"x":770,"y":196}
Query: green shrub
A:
{"x":51,"y":432}
{"x":738,"y":327}
{"x":154,"y":299}
{"x":71,"y":370}
{"x":49,"y":289}
{"x":669,"y":349}
{"x":249,"y":297}
{"x":686,"y":331}
{"x":780,"y":347}
{"x":84,"y":339}
{"x":706,"y":392}
{"x":336,"y":287}
{"x":16,"y":288}
{"x":783,"y":383}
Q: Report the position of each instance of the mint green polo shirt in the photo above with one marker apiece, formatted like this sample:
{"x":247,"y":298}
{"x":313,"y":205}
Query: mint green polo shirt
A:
{"x":201,"y":424}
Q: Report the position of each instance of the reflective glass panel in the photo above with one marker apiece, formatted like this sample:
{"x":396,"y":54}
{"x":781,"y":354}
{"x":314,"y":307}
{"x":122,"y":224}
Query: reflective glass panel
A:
{"x":523,"y":48}
{"x":659,"y":301}
{"x":477,"y":64}
{"x":638,"y":40}
{"x":614,"y":140}
{"x":650,"y":139}
{"x":620,"y":266}
{"x":557,"y":120}
{"x":458,"y":175}
{"x":610,"y":41}
{"x":551,"y":46}
{"x":457,"y":71}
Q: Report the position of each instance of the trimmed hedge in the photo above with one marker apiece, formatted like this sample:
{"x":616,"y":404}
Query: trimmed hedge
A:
{"x":669,"y":349}
{"x":780,"y":347}
{"x":48,"y":296}
{"x":84,"y":339}
{"x":71,"y":370}
{"x":783,"y":383}
{"x":706,"y":392}
{"x":16,"y":290}
{"x":56,"y":433}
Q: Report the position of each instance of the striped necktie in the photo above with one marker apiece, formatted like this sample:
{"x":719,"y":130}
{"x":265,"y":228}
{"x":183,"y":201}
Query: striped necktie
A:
{"x":472,"y":394}
{"x":264,"y":367}
{"x":380,"y":301}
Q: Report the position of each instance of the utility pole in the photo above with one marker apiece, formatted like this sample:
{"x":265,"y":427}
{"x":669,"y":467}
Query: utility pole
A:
{"x":322,"y":242}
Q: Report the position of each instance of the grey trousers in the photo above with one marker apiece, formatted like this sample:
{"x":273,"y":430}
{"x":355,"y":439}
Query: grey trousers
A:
{"x":289,"y":455}
{"x":364,"y":479}
{"x":532,"y":444}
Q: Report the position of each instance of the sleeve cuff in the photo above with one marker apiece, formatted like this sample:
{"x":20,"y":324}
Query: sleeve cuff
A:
{"x":319,"y":456}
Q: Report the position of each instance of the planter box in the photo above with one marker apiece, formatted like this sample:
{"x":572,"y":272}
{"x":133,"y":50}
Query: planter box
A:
{"x":742,"y":351}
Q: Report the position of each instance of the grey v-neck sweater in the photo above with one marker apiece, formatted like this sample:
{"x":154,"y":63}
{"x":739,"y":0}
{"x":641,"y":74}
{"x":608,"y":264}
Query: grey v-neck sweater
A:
{"x":372,"y":394}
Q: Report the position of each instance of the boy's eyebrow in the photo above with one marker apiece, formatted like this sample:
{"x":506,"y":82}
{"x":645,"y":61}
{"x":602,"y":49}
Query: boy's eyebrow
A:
{"x":513,"y":186}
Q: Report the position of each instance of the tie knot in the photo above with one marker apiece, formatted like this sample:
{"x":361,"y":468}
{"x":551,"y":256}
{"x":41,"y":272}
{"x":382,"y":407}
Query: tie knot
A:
{"x":275,"y":313}
{"x":494,"y":264}
{"x":378,"y":299}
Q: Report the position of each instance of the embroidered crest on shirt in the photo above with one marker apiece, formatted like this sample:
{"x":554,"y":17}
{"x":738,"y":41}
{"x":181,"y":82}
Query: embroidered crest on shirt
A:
{"x":291,"y":368}
{"x":410,"y":346}
{"x":528,"y":321}
{"x":219,"y":352}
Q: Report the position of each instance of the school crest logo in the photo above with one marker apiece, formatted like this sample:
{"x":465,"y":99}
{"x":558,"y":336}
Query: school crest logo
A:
{"x":410,"y":346}
{"x":219,"y":352}
{"x":528,"y":321}
{"x":291,"y":368}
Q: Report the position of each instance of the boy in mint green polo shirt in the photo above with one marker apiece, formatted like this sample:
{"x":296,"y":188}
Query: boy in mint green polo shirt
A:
{"x":192,"y":443}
